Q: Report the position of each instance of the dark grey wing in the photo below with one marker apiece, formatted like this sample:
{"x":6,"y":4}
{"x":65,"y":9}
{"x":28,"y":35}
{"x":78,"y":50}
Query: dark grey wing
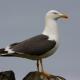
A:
{"x":13,"y":44}
{"x":35,"y":45}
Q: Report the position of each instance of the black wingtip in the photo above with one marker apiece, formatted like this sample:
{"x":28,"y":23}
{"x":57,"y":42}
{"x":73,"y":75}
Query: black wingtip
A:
{"x":2,"y":50}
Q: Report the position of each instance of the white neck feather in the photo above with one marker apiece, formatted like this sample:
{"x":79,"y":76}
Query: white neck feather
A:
{"x":51,"y":29}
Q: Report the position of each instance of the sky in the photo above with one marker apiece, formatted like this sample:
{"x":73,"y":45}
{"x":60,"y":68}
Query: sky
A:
{"x":22,"y":19}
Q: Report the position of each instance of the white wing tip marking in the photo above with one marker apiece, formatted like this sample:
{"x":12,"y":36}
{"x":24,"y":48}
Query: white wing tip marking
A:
{"x":10,"y":51}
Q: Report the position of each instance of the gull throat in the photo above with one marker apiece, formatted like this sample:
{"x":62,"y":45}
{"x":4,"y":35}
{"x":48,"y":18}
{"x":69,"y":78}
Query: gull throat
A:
{"x":51,"y":29}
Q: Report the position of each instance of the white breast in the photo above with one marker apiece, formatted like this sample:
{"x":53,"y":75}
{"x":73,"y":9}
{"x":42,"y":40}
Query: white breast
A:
{"x":51,"y":30}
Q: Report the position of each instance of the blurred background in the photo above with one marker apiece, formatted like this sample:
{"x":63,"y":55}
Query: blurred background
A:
{"x":22,"y":19}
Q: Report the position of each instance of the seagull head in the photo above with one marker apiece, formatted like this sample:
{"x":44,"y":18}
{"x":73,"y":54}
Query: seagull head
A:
{"x":55,"y":15}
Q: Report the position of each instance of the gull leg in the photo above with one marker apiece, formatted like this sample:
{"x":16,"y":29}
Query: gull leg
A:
{"x":44,"y":74}
{"x":38,"y":65}
{"x":42,"y":70}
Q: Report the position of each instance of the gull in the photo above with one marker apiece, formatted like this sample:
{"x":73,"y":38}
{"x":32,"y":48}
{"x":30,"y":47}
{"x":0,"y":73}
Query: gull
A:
{"x":40,"y":46}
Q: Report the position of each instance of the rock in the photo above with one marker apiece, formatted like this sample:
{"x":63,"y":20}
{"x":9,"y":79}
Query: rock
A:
{"x":7,"y":75}
{"x":40,"y":76}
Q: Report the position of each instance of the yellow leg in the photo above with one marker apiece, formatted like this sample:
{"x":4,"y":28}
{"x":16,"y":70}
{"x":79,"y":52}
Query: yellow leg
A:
{"x":42,"y":70}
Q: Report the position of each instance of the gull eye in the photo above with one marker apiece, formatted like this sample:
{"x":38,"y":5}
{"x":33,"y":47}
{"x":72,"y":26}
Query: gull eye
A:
{"x":55,"y":13}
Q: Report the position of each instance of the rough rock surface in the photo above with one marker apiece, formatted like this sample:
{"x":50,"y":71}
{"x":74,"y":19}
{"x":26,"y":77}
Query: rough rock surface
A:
{"x":40,"y":76}
{"x":7,"y":75}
